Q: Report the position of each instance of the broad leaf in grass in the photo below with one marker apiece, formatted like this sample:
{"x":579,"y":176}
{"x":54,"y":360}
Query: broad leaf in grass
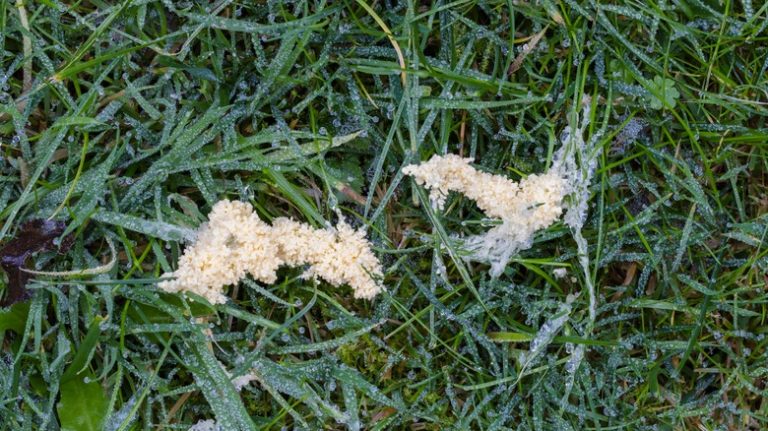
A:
{"x":14,"y":317}
{"x":663,"y":93}
{"x":83,"y":404}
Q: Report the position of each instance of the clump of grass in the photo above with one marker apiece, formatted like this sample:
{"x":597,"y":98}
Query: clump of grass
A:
{"x":127,"y":121}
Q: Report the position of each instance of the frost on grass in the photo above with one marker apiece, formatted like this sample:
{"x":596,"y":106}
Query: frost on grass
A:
{"x":235,"y":243}
{"x":205,"y":425}
{"x":577,"y":160}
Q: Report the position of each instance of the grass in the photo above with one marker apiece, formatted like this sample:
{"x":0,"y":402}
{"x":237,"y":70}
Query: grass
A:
{"x":128,"y":120}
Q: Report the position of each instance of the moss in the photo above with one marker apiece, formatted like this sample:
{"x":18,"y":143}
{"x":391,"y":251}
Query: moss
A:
{"x":365,"y":356}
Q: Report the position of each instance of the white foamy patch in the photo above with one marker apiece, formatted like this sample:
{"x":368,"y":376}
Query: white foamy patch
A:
{"x":205,"y":425}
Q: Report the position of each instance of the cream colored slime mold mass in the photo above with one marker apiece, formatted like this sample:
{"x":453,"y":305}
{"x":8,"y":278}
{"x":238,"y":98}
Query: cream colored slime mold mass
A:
{"x":235,"y":243}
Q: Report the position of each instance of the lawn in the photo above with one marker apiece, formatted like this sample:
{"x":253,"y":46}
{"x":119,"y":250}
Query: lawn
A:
{"x":642,"y":307}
